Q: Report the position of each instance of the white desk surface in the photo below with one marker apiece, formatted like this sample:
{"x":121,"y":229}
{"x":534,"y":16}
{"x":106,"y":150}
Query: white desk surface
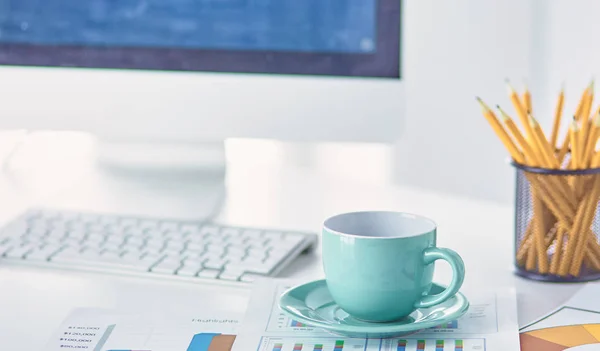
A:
{"x":298,"y":196}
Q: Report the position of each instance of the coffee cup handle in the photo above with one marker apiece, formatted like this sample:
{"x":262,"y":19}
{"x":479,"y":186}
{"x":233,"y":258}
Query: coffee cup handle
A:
{"x":433,"y":254}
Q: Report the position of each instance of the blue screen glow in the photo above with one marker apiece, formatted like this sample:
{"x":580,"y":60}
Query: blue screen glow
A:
{"x":338,"y":26}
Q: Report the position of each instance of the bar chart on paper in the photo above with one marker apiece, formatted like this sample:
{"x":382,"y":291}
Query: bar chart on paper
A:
{"x":449,"y":325}
{"x":480,"y":318}
{"x":416,"y":344}
{"x":315,"y":344}
{"x":281,"y":322}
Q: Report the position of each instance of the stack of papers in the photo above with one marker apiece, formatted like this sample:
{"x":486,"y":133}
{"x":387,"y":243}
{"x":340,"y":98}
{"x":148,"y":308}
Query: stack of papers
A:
{"x":489,"y":325}
{"x":104,"y":330}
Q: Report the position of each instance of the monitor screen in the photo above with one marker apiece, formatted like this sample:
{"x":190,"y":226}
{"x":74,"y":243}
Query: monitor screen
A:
{"x":319,"y":37}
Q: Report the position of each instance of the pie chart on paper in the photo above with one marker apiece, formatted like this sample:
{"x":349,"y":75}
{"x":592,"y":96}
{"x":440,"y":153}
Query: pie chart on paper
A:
{"x":582,"y":337}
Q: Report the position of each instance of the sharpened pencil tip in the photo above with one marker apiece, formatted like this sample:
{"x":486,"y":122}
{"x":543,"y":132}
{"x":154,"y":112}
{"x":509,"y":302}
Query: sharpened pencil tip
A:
{"x":484,"y":106}
{"x":510,"y":88}
{"x":574,"y":125}
{"x":503,"y":114}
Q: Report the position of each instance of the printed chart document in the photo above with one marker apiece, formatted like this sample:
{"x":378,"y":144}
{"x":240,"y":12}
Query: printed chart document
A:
{"x":573,"y":326}
{"x":106,"y":330}
{"x":489,"y":325}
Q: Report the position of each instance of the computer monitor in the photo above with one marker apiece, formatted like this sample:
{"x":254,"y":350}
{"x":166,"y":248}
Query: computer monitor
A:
{"x":204,"y":70}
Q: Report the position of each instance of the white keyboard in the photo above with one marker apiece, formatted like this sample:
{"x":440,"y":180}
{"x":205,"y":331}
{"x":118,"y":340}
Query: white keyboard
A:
{"x":196,"y":250}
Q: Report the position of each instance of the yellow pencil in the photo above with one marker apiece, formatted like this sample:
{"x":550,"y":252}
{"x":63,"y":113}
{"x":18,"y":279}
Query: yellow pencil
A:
{"x":501,"y":133}
{"x":592,"y":139}
{"x":531,"y":154}
{"x":521,"y":111}
{"x":564,"y":149}
{"x":575,"y":143}
{"x":527,"y":99}
{"x":585,"y":115}
{"x":542,"y":143}
{"x":557,"y":117}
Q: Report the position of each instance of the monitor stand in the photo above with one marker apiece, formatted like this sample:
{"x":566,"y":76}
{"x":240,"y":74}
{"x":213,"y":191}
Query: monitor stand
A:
{"x":207,"y":158}
{"x":151,"y":179}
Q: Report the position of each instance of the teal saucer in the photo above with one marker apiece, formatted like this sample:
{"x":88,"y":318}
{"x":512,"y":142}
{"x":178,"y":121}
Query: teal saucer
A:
{"x":311,"y":304}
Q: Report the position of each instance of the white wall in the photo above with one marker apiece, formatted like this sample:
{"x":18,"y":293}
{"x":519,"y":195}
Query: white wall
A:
{"x":573,"y":54}
{"x":455,"y":50}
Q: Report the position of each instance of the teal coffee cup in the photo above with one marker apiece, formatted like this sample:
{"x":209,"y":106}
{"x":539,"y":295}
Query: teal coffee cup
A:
{"x":379,"y":265}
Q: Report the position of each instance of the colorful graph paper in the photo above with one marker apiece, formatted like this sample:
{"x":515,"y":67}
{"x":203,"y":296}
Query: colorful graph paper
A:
{"x":298,"y":324}
{"x":449,"y":325}
{"x":439,"y":345}
{"x":318,"y":347}
{"x":401,"y":345}
{"x":561,"y":338}
{"x":277,"y":347}
{"x":297,"y":347}
{"x":458,"y":345}
{"x":339,"y":345}
{"x":420,"y":345}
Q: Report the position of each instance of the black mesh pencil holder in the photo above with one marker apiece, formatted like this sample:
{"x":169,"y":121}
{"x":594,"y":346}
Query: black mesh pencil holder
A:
{"x":557,"y":224}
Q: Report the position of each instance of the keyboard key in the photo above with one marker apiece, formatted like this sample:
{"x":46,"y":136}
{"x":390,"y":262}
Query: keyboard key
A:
{"x":231,"y":232}
{"x":257,"y":253}
{"x":176,"y":245}
{"x":231,"y":275}
{"x":191,"y":246}
{"x":253,"y":233}
{"x":209,"y":273}
{"x":250,"y":260}
{"x":235,"y":250}
{"x":214,"y":264}
{"x":132,"y":256}
{"x":166,"y":226}
{"x":116,"y":240}
{"x":150,"y":260}
{"x":108,"y":246}
{"x":210,"y":256}
{"x":77,"y":233}
{"x":171,"y":252}
{"x":234,"y":258}
{"x":5,"y":245}
{"x":90,"y":254}
{"x":166,"y":267}
{"x":95,"y":238}
{"x":209,"y":230}
{"x":134,"y":241}
{"x":19,"y":251}
{"x":57,"y":233}
{"x":215,"y":249}
{"x":135,"y":233}
{"x":189,"y":270}
{"x":43,"y":254}
{"x":259,"y":268}
{"x":38,"y":230}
